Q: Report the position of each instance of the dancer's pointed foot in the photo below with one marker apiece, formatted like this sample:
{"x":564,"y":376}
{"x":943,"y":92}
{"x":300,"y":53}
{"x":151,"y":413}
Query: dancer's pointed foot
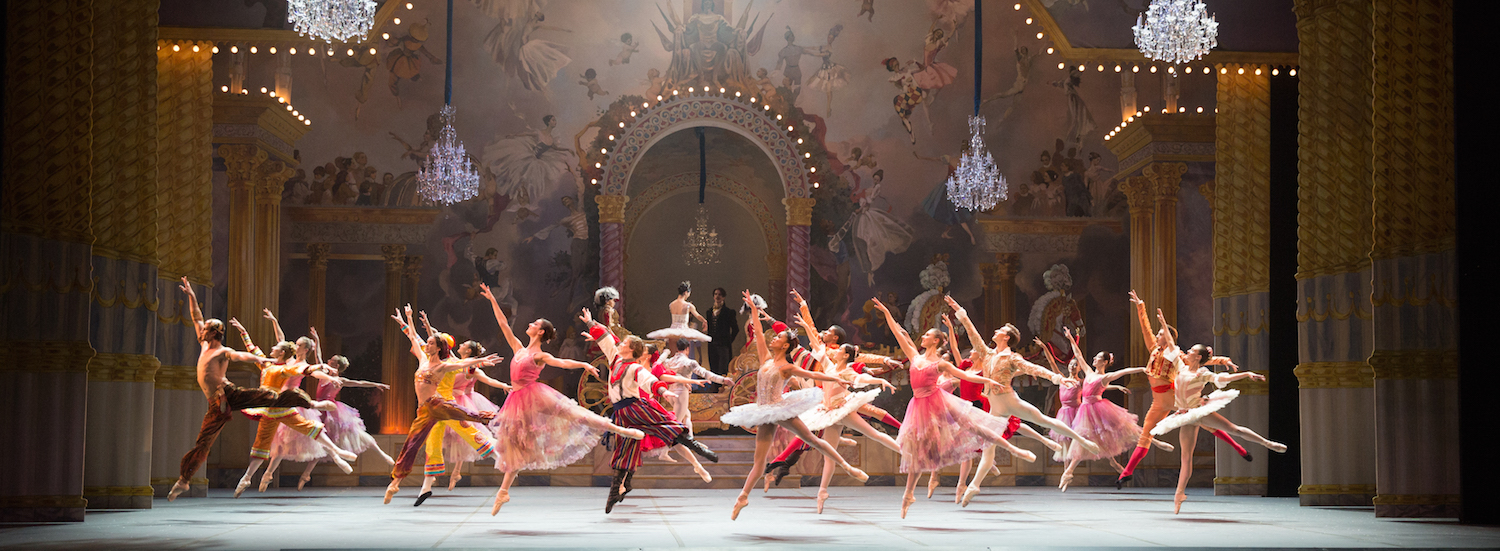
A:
{"x":240,"y":488}
{"x":995,"y":470}
{"x":1053,"y":445}
{"x":958,"y":491}
{"x":768,"y":478}
{"x":1163,"y":446}
{"x":1024,"y":455}
{"x":1089,"y":446}
{"x":265,"y":482}
{"x":932,"y":484}
{"x":1247,"y":456}
{"x":856,"y":473}
{"x":390,"y":491}
{"x":703,"y":473}
{"x":342,"y":465}
{"x":422,"y":498}
{"x":822,"y":496}
{"x":969,"y":496}
{"x":302,"y":481}
{"x":453,"y":480}
{"x":1067,"y":478}
{"x":845,"y":441}
{"x":346,"y":455}
{"x":906,"y":502}
{"x":501,"y":498}
{"x":1177,"y":502}
{"x":177,"y":489}
{"x":739,"y":504}
{"x":1120,"y":482}
{"x":1277,"y":447}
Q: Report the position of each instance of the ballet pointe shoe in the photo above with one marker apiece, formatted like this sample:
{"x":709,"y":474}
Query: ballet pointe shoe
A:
{"x":1067,"y":478}
{"x":342,"y":465}
{"x":822,"y":496}
{"x":767,"y":489}
{"x":422,"y":498}
{"x":1053,"y":445}
{"x":1024,"y":455}
{"x":453,"y":480}
{"x":1120,"y":482}
{"x":501,"y":498}
{"x":240,"y":488}
{"x":958,"y":492}
{"x":1163,"y":446}
{"x":703,"y":473}
{"x":1177,"y":502}
{"x":739,"y":504}
{"x":302,"y":481}
{"x":345,"y":454}
{"x":845,"y":441}
{"x":995,"y":470}
{"x":1248,"y":457}
{"x":856,"y":473}
{"x":390,"y":491}
{"x":932,"y":484}
{"x":906,"y":502}
{"x":1278,"y":447}
{"x":177,"y":489}
{"x":969,"y":496}
{"x":265,"y":482}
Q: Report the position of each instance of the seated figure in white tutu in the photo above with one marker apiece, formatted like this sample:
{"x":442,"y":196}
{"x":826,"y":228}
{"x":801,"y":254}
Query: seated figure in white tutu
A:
{"x":680,"y":328}
{"x":1194,"y":410}
{"x":772,"y":408}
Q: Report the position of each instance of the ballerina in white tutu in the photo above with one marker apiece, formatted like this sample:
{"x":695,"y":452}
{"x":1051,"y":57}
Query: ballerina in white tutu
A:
{"x":772,"y":408}
{"x":681,"y":329}
{"x":1194,"y":410}
{"x":840,"y":407}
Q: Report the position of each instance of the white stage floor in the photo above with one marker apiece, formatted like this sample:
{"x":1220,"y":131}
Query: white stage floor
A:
{"x":559,"y":517}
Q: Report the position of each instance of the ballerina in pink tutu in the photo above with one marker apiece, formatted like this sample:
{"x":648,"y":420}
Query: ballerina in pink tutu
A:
{"x":772,"y":408}
{"x":343,"y":425}
{"x":1195,"y":410}
{"x":539,"y":428}
{"x":940,"y":429}
{"x":455,"y":450}
{"x":1110,"y":426}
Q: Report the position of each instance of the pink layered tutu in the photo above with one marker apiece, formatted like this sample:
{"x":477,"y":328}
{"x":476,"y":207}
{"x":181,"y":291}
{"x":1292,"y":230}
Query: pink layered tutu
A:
{"x":1110,"y":426}
{"x":291,"y":445}
{"x":455,"y":450}
{"x":1065,"y":415}
{"x":347,"y":429}
{"x":539,"y":428}
{"x":941,"y":429}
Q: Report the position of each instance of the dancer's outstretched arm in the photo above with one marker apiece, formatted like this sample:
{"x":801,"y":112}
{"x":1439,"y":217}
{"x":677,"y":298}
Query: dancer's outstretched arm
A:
{"x":483,"y":377}
{"x":192,"y":300}
{"x":245,"y":336}
{"x":957,"y":373}
{"x":952,"y":338}
{"x":1147,"y":334}
{"x":608,"y":343}
{"x":1224,"y":361}
{"x":565,"y":363}
{"x":804,"y":318}
{"x":411,"y":334}
{"x":317,"y":345}
{"x":902,"y":337}
{"x":975,"y":339}
{"x":1123,"y":372}
{"x":426,"y":325}
{"x":1051,"y":360}
{"x":762,"y":352}
{"x":280,"y":336}
{"x":1078,"y":352}
{"x":510,"y":336}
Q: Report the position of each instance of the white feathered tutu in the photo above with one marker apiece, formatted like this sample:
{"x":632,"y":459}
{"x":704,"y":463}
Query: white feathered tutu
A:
{"x":291,"y":445}
{"x":820,"y":417}
{"x":1215,"y":401}
{"x":679,"y":330}
{"x":791,"y":404}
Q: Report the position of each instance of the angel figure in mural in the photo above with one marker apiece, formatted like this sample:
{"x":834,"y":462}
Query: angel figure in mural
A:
{"x":655,"y":84}
{"x":1025,"y":58}
{"x":866,"y":7}
{"x":830,"y":76}
{"x":949,"y":13}
{"x":532,"y":61}
{"x":910,"y":95}
{"x":367,"y":60}
{"x":528,"y":166}
{"x":490,"y":271}
{"x":628,"y":46}
{"x":876,"y":232}
{"x":591,"y":82}
{"x":1080,"y":121}
{"x":404,"y":62}
{"x":940,"y":208}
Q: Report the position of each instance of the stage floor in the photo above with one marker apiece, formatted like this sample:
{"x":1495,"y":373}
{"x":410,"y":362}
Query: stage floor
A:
{"x":560,"y":517}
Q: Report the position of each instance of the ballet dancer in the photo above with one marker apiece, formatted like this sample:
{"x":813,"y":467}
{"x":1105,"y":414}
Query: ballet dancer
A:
{"x":682,"y":366}
{"x":223,"y":397}
{"x":1162,"y":365}
{"x":1194,"y":410}
{"x":434,"y":362}
{"x":455,"y":451}
{"x":629,"y":381}
{"x":940,"y":429}
{"x":681,"y":309}
{"x":1001,"y":365}
{"x":539,"y":428}
{"x":772,"y":408}
{"x":472,"y":438}
{"x":1112,"y":427}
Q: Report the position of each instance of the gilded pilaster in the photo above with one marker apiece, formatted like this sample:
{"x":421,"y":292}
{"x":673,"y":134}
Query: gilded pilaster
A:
{"x":240,"y":165}
{"x":394,"y":418}
{"x":270,"y":177}
{"x":1139,"y":193}
{"x":317,"y":285}
{"x":1166,"y":183}
{"x":1000,"y":290}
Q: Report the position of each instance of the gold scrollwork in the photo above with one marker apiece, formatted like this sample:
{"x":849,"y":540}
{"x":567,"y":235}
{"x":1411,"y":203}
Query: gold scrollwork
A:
{"x":1416,"y":499}
{"x":117,"y":491}
{"x":1244,"y":329}
{"x":1331,"y":310}
{"x":177,"y":377}
{"x":1415,"y":364}
{"x":121,"y":296}
{"x":1241,"y":480}
{"x":1336,"y":489}
{"x":1334,"y":375}
{"x":77,"y":280}
{"x":47,"y":356}
{"x":1439,"y":290}
{"x":43,"y":502}
{"x":123,"y":368}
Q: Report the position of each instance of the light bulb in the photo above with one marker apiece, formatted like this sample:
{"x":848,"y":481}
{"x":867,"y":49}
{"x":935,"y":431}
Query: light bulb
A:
{"x":658,"y":97}
{"x":372,"y":51}
{"x":296,"y":114}
{"x":1049,"y":50}
{"x":1223,"y":70}
{"x":778,"y":116}
{"x":1061,"y":65}
{"x":1038,"y":36}
{"x":397,"y":20}
{"x":813,"y":169}
{"x":611,"y":137}
{"x":593,"y":180}
{"x":690,"y":89}
{"x":1292,"y":72}
{"x":1018,"y":7}
{"x":300,"y":117}
{"x":1242,"y":70}
{"x":1148,"y":110}
{"x":752,"y":99}
{"x":1172,"y":70}
{"x":721,"y":90}
{"x":1257,"y":71}
{"x":288,"y":108}
{"x":1181,"y":109}
{"x":385,"y":36}
{"x":224,"y":88}
{"x":736,"y":94}
{"x":307,"y":122}
{"x":262,"y":89}
{"x":1153,"y":68}
{"x":799,"y":141}
{"x":1200,"y":108}
{"x":350,"y":52}
{"x":807,"y":155}
{"x":603,"y":150}
{"x":408,"y":5}
{"x":1275,"y":72}
{"x":1101,"y":68}
{"x":1117,"y":68}
{"x":215,"y":49}
{"x":598,"y":165}
{"x":234,"y":49}
{"x":252,"y":50}
{"x":1135,"y":68}
{"x":1028,"y":20}
{"x":273,"y":49}
{"x":292,"y":51}
{"x":815,"y":185}
{"x":273,"y":93}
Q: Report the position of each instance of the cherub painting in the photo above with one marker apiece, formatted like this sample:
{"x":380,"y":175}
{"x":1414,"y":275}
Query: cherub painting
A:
{"x":629,"y":45}
{"x":532,"y":61}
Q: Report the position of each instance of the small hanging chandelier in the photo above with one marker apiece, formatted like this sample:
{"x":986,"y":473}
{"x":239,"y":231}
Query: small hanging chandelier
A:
{"x":702,"y":245}
{"x":448,"y":175}
{"x":332,"y":20}
{"x":1176,"y":31}
{"x":977,"y":183}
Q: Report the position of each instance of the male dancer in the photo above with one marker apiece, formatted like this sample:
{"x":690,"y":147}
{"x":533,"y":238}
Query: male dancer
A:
{"x":223,"y":396}
{"x":628,"y":379}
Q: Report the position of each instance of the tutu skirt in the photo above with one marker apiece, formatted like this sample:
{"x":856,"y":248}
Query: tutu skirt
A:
{"x":346,"y":429}
{"x":1066,"y":416}
{"x":936,"y":75}
{"x":540,"y":428}
{"x":820,"y":417}
{"x":291,"y":445}
{"x":792,"y":404}
{"x":679,"y":333}
{"x":455,"y":450}
{"x":1110,"y":426}
{"x":1215,"y":401}
{"x":941,"y":429}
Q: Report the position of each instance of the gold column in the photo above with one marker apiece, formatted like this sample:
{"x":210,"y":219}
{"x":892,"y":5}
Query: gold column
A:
{"x":1414,"y":269}
{"x":1335,"y":334}
{"x":240,"y":164}
{"x":411,"y":276}
{"x":394,"y":418}
{"x":270,"y":178}
{"x":1139,"y":193}
{"x":1000,"y":290}
{"x":1166,"y":181}
{"x":317,"y":285}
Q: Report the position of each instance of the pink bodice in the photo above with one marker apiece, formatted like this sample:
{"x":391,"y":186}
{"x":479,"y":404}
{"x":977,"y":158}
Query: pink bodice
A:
{"x":1069,"y":396}
{"x":924,"y":377}
{"x":464,"y":384}
{"x":328,"y":391}
{"x":523,"y":369}
{"x":1092,"y":389}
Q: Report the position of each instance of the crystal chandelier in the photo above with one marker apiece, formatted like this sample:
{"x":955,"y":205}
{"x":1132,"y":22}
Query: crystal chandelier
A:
{"x":702,"y":244}
{"x":332,"y":20}
{"x":977,"y":183}
{"x":448,"y":175}
{"x":1176,"y":31}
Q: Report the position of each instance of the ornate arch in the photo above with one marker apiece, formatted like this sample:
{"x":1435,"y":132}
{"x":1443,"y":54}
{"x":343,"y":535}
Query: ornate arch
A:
{"x":775,"y":243}
{"x":746,"y":119}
